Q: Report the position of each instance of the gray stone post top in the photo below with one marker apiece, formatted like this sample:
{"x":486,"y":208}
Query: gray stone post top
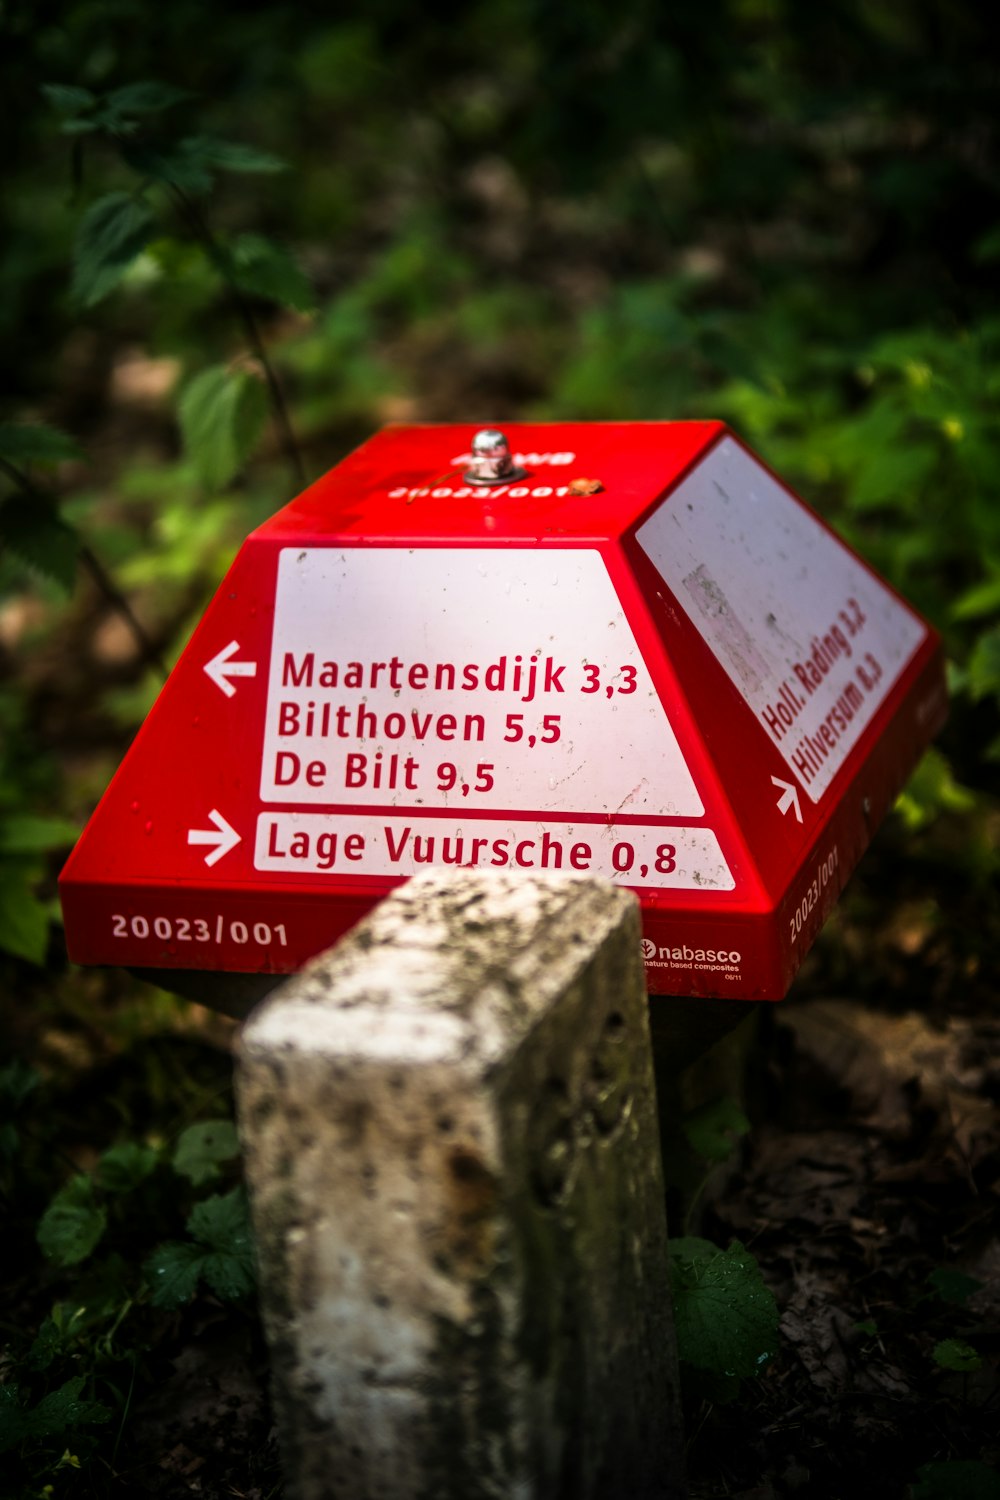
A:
{"x":456,"y":966}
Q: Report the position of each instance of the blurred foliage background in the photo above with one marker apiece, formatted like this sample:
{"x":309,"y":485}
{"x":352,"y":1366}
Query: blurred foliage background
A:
{"x":234,"y":241}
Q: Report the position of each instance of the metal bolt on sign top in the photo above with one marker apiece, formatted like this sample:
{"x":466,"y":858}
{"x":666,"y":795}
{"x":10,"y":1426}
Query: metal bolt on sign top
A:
{"x":492,"y":462}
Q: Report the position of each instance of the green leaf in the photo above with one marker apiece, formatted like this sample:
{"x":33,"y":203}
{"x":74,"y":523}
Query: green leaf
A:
{"x":222,"y":414}
{"x":24,"y":920}
{"x":148,"y":98}
{"x":231,"y":156}
{"x":222,"y":1222}
{"x":957,"y":1479}
{"x":267,"y":270}
{"x":984,"y":665}
{"x":223,"y":1256}
{"x":113,"y":232}
{"x":63,"y":1409}
{"x":955,"y":1354}
{"x":35,"y":442}
{"x":932,"y":790}
{"x":124,"y":1167}
{"x":714,"y":1129}
{"x":73,"y":1224}
{"x":173,"y":1272}
{"x":726,"y":1318}
{"x":230,"y":1274}
{"x":894,"y":476}
{"x":170,"y":162}
{"x":953,"y":1286}
{"x":67,"y":99}
{"x":17,"y":1081}
{"x":201,"y":1147}
{"x":47,"y":1345}
{"x":33,"y":530}
{"x":31,"y":834}
{"x":982,"y":599}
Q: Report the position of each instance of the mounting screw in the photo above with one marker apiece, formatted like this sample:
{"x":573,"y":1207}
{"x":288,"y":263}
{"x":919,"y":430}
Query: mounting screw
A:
{"x":491,"y":460}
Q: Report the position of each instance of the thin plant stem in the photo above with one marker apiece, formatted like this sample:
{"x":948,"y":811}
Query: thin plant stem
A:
{"x":105,"y":583}
{"x":191,"y":212}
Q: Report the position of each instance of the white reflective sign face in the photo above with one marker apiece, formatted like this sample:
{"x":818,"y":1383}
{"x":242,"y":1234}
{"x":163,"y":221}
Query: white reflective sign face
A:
{"x":811,"y":639}
{"x":495,"y":681}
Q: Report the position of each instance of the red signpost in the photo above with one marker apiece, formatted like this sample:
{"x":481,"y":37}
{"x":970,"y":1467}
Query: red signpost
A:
{"x":641,"y":657}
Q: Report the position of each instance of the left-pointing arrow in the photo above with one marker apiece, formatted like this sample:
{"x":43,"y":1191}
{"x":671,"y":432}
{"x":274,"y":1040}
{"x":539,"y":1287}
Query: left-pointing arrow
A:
{"x":222,"y":667}
{"x":223,"y":837}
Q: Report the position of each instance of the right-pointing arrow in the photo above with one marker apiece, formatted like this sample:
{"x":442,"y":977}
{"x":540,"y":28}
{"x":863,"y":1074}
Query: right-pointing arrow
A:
{"x":222,"y":837}
{"x":789,"y":797}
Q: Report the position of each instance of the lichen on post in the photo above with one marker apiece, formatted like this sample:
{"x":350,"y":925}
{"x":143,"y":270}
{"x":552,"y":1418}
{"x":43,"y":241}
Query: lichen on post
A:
{"x":451,"y":1144}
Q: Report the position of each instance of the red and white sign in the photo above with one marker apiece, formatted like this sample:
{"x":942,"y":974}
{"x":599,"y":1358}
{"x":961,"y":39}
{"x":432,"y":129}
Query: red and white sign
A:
{"x":683,"y":682}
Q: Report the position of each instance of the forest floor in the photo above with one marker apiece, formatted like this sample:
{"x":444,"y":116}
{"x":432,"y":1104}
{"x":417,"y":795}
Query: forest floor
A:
{"x":868,"y":1188}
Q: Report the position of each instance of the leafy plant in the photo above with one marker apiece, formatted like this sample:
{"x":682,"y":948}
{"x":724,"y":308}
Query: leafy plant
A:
{"x":57,"y":1415}
{"x":956,"y":1354}
{"x":222,"y":409}
{"x":219,"y":1252}
{"x":726,"y":1317}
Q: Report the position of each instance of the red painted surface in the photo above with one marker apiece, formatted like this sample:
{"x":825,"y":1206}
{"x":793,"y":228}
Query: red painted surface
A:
{"x":172,"y":870}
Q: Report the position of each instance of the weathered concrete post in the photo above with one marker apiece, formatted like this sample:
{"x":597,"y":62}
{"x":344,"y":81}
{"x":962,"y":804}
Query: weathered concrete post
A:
{"x":451,"y":1143}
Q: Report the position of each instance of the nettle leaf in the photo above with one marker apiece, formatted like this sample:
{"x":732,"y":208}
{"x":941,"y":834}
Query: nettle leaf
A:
{"x":17,"y":1081}
{"x":714,"y":1129}
{"x":231,"y":156}
{"x":957,"y":1479}
{"x":955,"y":1354}
{"x":63,"y":1409}
{"x":31,"y":834}
{"x":953,"y":1286}
{"x":33,"y":530}
{"x":112,"y":233}
{"x":984,"y":665}
{"x":265,"y":269}
{"x":67,"y":99}
{"x":222,"y":414}
{"x":170,"y":162}
{"x":201,"y":1147}
{"x":35,"y":443}
{"x":124,"y":1167}
{"x":223,"y":1256}
{"x":173,"y":1272}
{"x":24,"y":920}
{"x":726,"y":1318}
{"x":222,"y":1222}
{"x":73,"y":1223}
{"x":147,"y":98}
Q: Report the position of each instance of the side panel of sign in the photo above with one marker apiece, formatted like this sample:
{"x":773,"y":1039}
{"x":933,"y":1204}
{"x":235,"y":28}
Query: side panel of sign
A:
{"x":809,"y":637}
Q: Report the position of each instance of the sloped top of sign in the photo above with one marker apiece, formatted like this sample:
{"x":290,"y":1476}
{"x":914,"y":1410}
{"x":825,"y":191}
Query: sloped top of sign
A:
{"x":408,"y":482}
{"x":646,"y":660}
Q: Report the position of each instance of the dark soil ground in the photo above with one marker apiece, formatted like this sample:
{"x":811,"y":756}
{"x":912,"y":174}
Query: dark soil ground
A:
{"x":874,"y":1163}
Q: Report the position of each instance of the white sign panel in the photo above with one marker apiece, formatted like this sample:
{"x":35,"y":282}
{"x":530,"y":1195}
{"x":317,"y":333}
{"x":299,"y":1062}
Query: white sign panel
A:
{"x":496,"y":680}
{"x":812,"y":640}
{"x":652,"y":855}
